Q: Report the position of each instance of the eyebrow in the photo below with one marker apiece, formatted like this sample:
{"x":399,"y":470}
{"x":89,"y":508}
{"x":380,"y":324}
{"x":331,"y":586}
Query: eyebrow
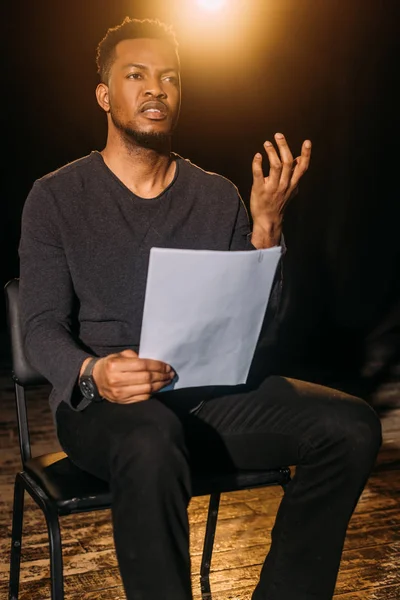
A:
{"x":145,"y":68}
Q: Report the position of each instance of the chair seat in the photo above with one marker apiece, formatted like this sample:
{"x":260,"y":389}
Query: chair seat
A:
{"x":73,"y":489}
{"x":216,"y":483}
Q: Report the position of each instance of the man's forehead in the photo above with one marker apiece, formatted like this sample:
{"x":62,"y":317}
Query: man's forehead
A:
{"x":147,"y":51}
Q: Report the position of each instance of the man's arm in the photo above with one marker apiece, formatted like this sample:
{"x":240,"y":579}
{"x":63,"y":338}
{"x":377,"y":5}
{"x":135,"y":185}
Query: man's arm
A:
{"x":46,"y":296}
{"x":268,"y":200}
{"x":47,"y":301}
{"x":242,"y":239}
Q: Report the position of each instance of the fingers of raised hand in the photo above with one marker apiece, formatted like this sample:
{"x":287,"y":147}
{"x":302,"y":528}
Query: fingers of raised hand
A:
{"x":286,"y":160}
{"x":258,"y":175}
{"x":275,"y":164}
{"x":306,"y":149}
{"x":301,"y":163}
{"x":280,"y":164}
{"x":284,"y":150}
{"x":284,"y":173}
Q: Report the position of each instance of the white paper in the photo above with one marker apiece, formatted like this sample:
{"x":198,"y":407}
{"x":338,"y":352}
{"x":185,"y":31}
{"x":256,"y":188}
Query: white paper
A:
{"x":204,"y":310}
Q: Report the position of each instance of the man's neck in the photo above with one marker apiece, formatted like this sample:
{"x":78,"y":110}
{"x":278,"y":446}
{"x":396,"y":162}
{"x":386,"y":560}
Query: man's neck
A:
{"x":146,"y":172}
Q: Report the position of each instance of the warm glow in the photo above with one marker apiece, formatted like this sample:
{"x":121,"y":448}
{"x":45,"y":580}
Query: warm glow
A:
{"x":212,"y":4}
{"x":215,"y":23}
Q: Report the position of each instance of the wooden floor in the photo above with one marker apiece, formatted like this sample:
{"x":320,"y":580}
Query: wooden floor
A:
{"x":370,"y":568}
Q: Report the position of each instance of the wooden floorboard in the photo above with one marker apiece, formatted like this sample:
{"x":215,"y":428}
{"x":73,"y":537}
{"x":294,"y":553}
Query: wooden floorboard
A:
{"x":370,"y":567}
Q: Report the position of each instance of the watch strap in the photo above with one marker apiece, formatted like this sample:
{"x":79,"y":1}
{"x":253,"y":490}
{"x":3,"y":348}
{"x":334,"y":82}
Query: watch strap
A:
{"x":88,"y":370}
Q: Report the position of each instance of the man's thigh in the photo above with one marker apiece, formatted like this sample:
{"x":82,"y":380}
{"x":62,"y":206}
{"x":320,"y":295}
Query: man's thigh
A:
{"x":92,"y":436}
{"x":273,"y":425}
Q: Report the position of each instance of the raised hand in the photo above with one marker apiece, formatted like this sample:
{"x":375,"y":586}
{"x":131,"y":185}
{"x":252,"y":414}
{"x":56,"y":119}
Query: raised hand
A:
{"x":270,"y":195}
{"x":126,"y":378}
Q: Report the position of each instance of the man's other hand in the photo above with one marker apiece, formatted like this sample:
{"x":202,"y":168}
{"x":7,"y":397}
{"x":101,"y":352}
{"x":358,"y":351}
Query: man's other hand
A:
{"x":124,"y":377}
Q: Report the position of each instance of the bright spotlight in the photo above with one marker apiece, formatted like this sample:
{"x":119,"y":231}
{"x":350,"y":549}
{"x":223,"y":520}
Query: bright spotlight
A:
{"x":214,"y":25}
{"x":211,"y":4}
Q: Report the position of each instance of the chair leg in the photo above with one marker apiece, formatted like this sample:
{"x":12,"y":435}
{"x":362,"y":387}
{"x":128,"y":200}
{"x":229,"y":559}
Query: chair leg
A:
{"x":284,"y":485}
{"x":16,"y":538}
{"x":208,"y":546}
{"x":56,"y":559}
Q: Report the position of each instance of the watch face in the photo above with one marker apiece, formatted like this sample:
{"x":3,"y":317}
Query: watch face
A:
{"x":88,"y":389}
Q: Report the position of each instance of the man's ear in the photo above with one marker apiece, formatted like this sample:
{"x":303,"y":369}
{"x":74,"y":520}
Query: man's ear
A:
{"x":103,"y":97}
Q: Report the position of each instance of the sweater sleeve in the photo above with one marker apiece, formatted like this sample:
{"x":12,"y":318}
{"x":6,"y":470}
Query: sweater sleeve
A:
{"x":241,"y":236}
{"x":241,"y":240}
{"x":47,"y":298}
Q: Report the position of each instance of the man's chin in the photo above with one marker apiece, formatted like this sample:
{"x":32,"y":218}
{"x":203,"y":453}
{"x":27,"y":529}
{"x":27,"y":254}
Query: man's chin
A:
{"x":155,"y":136}
{"x":153,"y":140}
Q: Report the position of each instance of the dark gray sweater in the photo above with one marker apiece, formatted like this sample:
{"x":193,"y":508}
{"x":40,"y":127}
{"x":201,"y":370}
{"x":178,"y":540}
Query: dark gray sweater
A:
{"x":84,"y":253}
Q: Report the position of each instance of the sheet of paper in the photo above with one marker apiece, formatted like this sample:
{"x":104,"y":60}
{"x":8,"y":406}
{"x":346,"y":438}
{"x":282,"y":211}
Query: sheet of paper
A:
{"x":204,"y":310}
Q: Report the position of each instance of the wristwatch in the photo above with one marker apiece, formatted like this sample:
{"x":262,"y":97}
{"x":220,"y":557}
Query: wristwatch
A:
{"x":87,"y":384}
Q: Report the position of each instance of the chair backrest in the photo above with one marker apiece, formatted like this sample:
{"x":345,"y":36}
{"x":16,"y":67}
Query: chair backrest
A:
{"x":23,"y":374}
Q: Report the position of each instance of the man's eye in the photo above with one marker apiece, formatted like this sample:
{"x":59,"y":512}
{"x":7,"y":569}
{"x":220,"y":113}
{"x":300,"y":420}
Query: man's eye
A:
{"x":134,"y":76}
{"x":171,"y":79}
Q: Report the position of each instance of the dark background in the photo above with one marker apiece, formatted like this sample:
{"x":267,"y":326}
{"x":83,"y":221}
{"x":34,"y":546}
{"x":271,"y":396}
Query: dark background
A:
{"x":320,"y":69}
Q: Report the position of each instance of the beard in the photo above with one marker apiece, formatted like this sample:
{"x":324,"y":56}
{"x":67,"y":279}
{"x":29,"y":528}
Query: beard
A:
{"x":151,"y":140}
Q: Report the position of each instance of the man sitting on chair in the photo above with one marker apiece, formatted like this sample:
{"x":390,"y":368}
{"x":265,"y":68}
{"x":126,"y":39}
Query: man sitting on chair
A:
{"x":87,"y":230}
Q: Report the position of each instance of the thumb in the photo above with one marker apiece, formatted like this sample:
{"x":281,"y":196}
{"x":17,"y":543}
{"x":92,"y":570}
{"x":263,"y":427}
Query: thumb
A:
{"x":128,"y":353}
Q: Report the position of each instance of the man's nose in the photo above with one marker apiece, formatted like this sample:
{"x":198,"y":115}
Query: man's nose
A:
{"x":154,"y":88}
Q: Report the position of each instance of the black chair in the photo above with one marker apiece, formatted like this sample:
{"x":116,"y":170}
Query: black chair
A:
{"x":60,"y":488}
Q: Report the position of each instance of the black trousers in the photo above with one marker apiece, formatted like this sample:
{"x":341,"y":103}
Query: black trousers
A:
{"x":146,"y":451}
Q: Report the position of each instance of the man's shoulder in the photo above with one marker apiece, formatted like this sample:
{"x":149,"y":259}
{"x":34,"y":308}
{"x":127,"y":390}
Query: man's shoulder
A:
{"x":65,"y":186}
{"x":79,"y":168}
{"x":198,"y":174}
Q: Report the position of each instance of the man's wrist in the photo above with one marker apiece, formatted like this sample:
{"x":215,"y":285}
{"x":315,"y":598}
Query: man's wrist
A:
{"x":266,"y":234}
{"x":84,"y":364}
{"x":86,"y":382}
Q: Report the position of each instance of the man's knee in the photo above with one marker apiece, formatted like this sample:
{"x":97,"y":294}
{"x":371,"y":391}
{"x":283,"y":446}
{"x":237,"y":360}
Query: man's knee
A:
{"x":365,"y":432}
{"x":354,"y":428}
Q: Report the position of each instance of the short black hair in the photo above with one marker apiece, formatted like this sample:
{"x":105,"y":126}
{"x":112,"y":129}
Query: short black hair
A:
{"x":130,"y":29}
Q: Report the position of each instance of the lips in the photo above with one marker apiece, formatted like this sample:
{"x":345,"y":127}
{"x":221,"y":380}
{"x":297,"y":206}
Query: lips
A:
{"x":154,"y":109}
